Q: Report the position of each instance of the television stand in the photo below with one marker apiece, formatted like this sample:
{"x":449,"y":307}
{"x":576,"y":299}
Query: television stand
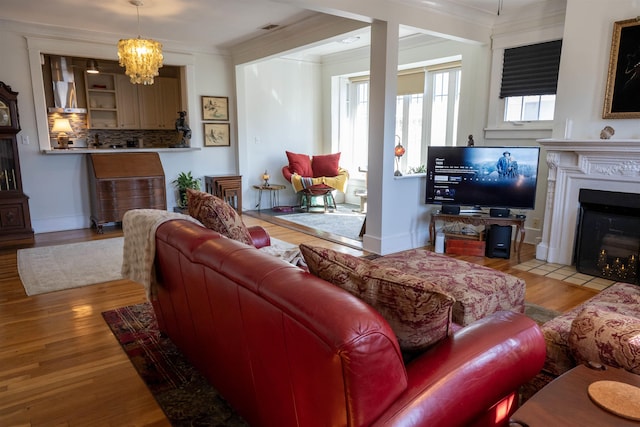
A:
{"x":479,"y":219}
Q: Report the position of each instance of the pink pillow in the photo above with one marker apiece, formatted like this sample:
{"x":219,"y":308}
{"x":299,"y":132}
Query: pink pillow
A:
{"x":325,"y":165}
{"x":300,"y":164}
{"x":216,"y":214}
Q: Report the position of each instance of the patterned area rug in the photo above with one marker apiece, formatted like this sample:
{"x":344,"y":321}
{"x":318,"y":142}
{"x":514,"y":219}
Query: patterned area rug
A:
{"x":184,"y":395}
{"x":538,"y":313}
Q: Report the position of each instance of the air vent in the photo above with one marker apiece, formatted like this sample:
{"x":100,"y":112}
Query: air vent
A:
{"x":270,"y":27}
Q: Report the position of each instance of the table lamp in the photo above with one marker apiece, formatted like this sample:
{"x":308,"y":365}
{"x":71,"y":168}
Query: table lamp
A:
{"x":62,"y":126}
{"x":265,"y":178}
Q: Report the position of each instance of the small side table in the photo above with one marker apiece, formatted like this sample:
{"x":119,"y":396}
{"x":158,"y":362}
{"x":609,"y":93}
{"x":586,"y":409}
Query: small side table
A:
{"x":274,"y":191}
{"x":565,"y":401}
{"x":226,"y":187}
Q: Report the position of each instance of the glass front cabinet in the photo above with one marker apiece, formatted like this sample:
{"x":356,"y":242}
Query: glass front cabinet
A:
{"x":15,"y":221}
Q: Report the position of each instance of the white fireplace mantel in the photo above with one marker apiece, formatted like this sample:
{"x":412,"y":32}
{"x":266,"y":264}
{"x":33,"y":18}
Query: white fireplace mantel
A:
{"x":603,"y":164}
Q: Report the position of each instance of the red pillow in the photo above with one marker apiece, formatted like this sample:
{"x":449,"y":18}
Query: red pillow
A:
{"x":300,"y":164}
{"x":325,"y":165}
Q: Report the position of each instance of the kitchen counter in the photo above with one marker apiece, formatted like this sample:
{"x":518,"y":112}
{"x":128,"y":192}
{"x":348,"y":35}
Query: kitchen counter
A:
{"x":85,"y":150}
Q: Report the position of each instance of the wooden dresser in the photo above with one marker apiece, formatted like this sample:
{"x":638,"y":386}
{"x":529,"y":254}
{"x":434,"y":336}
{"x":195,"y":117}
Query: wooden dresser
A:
{"x":119,"y":182}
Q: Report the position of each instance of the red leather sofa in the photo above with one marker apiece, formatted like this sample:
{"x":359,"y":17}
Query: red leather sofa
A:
{"x":286,"y":348}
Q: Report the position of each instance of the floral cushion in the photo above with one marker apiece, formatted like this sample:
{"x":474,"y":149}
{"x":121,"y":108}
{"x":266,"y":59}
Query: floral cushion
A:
{"x":606,"y":337}
{"x":479,"y":291}
{"x":620,"y":298}
{"x":216,"y":214}
{"x":418,"y":311}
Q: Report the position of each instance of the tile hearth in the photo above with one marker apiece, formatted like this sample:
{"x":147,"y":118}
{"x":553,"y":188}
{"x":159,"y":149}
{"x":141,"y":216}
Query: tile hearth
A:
{"x":565,"y":273}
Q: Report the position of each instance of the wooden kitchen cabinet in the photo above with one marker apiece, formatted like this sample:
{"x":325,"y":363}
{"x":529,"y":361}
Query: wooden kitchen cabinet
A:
{"x":123,"y":181}
{"x":116,"y":103}
{"x":127,"y":102}
{"x":15,"y":220}
{"x":170,"y":105}
{"x":159,"y":104}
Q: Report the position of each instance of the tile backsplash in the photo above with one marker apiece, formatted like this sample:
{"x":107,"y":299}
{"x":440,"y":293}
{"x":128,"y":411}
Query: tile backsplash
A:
{"x":83,"y":137}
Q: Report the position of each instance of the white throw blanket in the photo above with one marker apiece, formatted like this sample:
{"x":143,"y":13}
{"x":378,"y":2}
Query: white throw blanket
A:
{"x":139,"y":227}
{"x":139,"y":252}
{"x":285,"y":251}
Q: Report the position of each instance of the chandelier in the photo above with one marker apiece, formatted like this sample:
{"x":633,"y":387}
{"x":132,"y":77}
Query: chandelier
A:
{"x":140,"y":57}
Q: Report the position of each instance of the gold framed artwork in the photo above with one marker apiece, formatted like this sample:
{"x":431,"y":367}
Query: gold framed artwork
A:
{"x":215,"y":108}
{"x":622,"y":97}
{"x":217,"y":135}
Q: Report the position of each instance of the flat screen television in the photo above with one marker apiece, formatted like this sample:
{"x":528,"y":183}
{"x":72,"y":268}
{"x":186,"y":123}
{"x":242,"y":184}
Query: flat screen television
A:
{"x":477,"y":177}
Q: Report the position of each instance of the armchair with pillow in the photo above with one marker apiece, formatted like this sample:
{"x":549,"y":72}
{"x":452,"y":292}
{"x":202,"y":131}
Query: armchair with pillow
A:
{"x":315,"y":176}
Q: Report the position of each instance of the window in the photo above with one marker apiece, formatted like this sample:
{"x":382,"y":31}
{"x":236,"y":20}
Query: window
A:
{"x":354,"y":124}
{"x":418,"y":123}
{"x":410,"y":116}
{"x":529,"y":108}
{"x":529,"y":81}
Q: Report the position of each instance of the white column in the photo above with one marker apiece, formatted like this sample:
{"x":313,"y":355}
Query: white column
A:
{"x":382,"y":114}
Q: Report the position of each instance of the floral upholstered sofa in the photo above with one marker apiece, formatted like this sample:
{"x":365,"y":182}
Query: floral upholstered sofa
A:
{"x":604,"y":329}
{"x":478,"y":291}
{"x":424,"y":296}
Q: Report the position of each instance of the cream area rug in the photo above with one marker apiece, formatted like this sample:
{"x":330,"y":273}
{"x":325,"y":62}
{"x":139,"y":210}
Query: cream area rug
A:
{"x":53,"y":268}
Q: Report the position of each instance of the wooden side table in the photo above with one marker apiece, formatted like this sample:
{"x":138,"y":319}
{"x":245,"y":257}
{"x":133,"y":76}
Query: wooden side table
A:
{"x":226,"y":187}
{"x":565,"y":401}
{"x":274,"y":194}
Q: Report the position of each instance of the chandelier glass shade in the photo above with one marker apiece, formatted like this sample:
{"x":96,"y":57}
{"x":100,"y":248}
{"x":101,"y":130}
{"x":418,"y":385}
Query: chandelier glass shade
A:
{"x":141,"y":58}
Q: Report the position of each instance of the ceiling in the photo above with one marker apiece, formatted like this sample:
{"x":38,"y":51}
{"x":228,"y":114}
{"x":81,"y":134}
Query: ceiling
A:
{"x":209,"y":24}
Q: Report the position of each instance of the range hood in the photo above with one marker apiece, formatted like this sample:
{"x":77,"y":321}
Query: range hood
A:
{"x":64,"y":87}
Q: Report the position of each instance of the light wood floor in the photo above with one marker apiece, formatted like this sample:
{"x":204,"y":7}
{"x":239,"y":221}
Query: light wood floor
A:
{"x":61,"y":366}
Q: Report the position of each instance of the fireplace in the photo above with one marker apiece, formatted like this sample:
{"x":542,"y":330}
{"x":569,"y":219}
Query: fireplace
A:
{"x":608,"y":236}
{"x":612,"y":165}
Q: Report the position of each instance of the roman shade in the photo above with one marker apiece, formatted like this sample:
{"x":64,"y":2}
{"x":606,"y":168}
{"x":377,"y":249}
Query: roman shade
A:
{"x":531,"y":70}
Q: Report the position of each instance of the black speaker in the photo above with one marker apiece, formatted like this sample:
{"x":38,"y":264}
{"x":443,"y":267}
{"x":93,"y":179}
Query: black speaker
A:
{"x":498,"y":241}
{"x":450,"y":209}
{"x":499,"y":212}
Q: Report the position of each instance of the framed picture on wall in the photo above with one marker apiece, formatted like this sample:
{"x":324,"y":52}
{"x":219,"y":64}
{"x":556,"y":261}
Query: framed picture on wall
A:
{"x":215,"y":108}
{"x":622,"y":97}
{"x":217,"y":135}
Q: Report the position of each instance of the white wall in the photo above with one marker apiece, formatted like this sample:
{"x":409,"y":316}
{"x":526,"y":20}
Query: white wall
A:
{"x":57,"y":184}
{"x":540,"y":28}
{"x":584,"y":66}
{"x":279,"y":108}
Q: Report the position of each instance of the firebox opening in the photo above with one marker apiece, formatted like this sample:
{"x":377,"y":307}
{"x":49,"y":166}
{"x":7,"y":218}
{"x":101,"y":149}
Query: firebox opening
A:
{"x":608,"y":238}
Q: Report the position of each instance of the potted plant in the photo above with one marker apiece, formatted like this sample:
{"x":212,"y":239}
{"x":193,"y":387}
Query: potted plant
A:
{"x":183,"y":182}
